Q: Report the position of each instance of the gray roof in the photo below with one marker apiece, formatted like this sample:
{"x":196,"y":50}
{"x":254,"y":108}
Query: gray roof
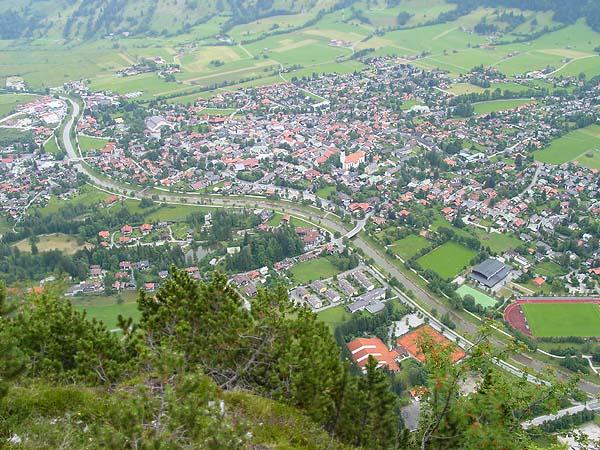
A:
{"x":490,"y":272}
{"x":488,"y":268}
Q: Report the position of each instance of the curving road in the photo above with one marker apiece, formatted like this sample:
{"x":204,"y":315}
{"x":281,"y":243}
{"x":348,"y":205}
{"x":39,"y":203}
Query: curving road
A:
{"x":319,"y":217}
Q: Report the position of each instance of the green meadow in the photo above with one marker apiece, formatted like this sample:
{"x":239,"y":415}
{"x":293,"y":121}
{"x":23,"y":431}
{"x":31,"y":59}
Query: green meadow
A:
{"x":447,"y":260}
{"x":482,"y":108}
{"x":8,"y":102}
{"x":574,"y":145}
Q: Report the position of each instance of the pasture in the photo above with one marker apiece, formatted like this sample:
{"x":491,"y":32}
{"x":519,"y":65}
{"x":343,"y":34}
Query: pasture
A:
{"x":447,"y":260}
{"x":563,"y":319}
{"x":571,"y":146}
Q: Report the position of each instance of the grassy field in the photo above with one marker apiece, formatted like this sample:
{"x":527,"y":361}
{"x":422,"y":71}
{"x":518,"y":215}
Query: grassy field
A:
{"x":325,"y":191}
{"x":88,"y":196}
{"x":89,"y":144}
{"x":8,"y":102}
{"x":497,"y":242}
{"x":447,"y":260}
{"x":408,"y":247}
{"x":563,"y":319}
{"x":51,"y":146}
{"x":573,"y":145}
{"x":549,"y":269}
{"x":499,"y":105}
{"x":332,"y":317}
{"x":106,"y":309}
{"x":315,"y":269}
{"x":480,"y":298}
{"x":56,"y":241}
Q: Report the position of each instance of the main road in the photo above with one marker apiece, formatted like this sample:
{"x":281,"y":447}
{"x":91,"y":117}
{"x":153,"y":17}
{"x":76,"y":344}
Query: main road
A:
{"x":313,"y":214}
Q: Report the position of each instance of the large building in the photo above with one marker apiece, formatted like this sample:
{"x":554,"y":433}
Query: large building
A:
{"x":353,"y":160}
{"x":362,"y":348}
{"x":410,"y":342}
{"x":490,"y":272}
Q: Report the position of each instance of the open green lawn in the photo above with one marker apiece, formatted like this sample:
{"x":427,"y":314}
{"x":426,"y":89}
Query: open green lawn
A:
{"x":480,"y":298}
{"x":325,"y":191}
{"x":499,"y":105}
{"x":409,"y":246}
{"x":51,"y":146}
{"x":106,"y":309}
{"x":315,"y":269}
{"x":497,"y":242}
{"x":8,"y":102}
{"x":57,"y":241}
{"x":563,"y":319}
{"x":89,"y":144}
{"x":572,"y":145}
{"x":447,"y":260}
{"x":175,"y":213}
{"x":88,"y":196}
{"x":549,"y":269}
{"x":332,"y":317}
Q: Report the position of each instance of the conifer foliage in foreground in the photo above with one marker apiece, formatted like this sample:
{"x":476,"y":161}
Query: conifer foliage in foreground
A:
{"x":201,"y":370}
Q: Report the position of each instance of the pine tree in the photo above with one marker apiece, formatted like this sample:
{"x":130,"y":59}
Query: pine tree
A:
{"x":11,"y":359}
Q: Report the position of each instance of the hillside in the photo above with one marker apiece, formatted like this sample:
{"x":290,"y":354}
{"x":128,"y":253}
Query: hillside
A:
{"x":86,"y":19}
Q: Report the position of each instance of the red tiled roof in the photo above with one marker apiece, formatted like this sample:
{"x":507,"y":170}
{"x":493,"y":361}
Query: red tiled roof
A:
{"x":362,"y":348}
{"x":411,"y":340}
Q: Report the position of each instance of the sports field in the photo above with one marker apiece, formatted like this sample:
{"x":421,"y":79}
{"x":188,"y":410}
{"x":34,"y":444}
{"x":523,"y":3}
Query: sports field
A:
{"x":447,"y":260}
{"x":573,"y":145}
{"x":480,"y":298}
{"x":563,"y":319}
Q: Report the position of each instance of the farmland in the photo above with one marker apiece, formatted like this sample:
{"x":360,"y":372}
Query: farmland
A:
{"x":447,"y":260}
{"x":563,"y":319}
{"x":259,"y":48}
{"x":573,"y":145}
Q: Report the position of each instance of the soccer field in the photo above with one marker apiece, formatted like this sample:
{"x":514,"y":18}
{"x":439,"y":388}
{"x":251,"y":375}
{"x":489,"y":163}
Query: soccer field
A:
{"x":563,"y":319}
{"x":447,"y":260}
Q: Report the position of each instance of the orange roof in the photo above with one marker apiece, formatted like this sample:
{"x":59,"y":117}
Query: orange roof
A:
{"x":362,"y":348}
{"x":355,"y":157}
{"x":538,"y":281}
{"x":410,"y":342}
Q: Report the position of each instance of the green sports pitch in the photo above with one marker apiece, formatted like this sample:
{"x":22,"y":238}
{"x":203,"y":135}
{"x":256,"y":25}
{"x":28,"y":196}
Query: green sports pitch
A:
{"x":563,"y":319}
